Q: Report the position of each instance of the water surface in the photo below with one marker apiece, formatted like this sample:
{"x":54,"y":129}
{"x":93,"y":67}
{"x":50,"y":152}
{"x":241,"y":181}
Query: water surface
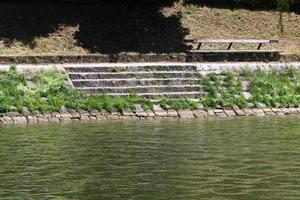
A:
{"x":245,"y":159}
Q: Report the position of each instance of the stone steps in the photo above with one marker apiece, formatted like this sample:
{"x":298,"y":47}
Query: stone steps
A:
{"x":142,"y":89}
{"x":134,"y":82}
{"x":136,"y":75}
{"x":147,"y":80}
{"x":169,"y":95}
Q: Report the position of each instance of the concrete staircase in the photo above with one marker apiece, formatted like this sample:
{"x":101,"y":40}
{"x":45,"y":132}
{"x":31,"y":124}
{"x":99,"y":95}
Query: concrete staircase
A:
{"x":147,"y":80}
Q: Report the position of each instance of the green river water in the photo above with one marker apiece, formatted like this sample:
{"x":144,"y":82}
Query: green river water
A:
{"x":245,"y":159}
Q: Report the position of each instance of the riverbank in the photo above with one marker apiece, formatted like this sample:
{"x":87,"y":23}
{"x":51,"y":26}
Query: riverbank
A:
{"x":157,"y":113}
{"x":48,"y":95}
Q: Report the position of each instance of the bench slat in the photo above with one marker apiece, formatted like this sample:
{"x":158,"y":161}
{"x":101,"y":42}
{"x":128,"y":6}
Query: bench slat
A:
{"x":234,"y":51}
{"x":233,"y":41}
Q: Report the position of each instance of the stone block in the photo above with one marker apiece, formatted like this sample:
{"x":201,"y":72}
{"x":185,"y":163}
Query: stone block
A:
{"x":53,"y":119}
{"x":66,"y":115}
{"x":84,"y":117}
{"x":248,"y":112}
{"x":6,"y":120}
{"x":126,"y":117}
{"x":219,"y":113}
{"x":276,"y":110}
{"x":94,"y":113}
{"x":239,"y":112}
{"x":101,"y":117}
{"x":230,"y":113}
{"x":159,"y":111}
{"x":268,"y":111}
{"x":140,"y":112}
{"x":128,"y":112}
{"x":19,"y":120}
{"x":32,"y":119}
{"x":55,"y":114}
{"x":93,"y":117}
{"x":211,"y":113}
{"x":113,"y":117}
{"x":199,"y":113}
{"x":172,"y":113}
{"x":293,"y":110}
{"x":75,"y":116}
{"x":258,"y":112}
{"x":13,"y":114}
{"x":286,"y":111}
{"x":150,"y":113}
{"x":42,"y":119}
{"x":186,"y":114}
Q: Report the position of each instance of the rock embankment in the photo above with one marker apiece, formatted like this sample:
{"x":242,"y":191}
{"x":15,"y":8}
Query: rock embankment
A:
{"x":157,"y":113}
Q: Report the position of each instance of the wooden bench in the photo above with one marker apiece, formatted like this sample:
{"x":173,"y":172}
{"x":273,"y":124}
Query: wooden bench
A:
{"x":199,"y":43}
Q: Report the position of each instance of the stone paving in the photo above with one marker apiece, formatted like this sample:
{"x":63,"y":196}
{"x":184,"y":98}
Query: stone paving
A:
{"x":140,"y":114}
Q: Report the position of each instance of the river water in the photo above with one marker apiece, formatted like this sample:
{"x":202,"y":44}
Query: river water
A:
{"x":248,"y":158}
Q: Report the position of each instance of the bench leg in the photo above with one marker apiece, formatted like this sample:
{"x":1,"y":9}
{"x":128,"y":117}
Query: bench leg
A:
{"x":229,"y":47}
{"x":259,"y":46}
{"x":199,"y":46}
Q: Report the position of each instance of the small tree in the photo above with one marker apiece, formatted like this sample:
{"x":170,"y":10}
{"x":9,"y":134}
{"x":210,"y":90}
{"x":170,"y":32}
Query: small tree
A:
{"x":282,"y":6}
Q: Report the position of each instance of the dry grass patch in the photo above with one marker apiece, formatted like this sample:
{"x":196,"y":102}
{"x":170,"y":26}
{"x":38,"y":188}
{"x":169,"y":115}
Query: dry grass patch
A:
{"x":204,"y":22}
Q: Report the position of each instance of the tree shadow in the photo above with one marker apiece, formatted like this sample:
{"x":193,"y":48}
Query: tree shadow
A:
{"x":104,"y":27}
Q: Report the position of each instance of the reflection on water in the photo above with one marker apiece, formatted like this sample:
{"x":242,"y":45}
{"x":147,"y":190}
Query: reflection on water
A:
{"x":227,"y":159}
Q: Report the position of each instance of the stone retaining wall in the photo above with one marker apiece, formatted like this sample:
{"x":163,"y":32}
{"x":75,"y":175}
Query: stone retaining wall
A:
{"x":202,"y":67}
{"x":157,"y":113}
{"x":127,"y":58}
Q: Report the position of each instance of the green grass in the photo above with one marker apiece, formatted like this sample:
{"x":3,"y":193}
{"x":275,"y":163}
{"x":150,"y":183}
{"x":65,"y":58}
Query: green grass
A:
{"x":48,"y":91}
{"x":178,"y":104}
{"x":272,"y":88}
{"x":275,"y":88}
{"x":225,"y":91}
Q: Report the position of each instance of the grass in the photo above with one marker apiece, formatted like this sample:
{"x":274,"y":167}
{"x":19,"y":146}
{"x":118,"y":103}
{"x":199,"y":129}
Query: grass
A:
{"x":178,"y":104}
{"x":48,"y":91}
{"x":275,"y":88}
{"x":205,"y":22}
{"x":223,"y":91}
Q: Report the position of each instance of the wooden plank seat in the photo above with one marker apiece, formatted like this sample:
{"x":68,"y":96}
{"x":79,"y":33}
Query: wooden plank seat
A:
{"x":230,"y":43}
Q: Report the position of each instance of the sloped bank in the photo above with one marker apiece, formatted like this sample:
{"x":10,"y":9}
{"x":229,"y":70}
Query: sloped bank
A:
{"x":46,"y":96}
{"x":158,"y":113}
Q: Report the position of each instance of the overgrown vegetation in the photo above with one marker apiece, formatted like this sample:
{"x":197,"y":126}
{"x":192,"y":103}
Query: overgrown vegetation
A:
{"x":47,"y":91}
{"x":178,"y":104}
{"x":223,"y":91}
{"x":275,"y":88}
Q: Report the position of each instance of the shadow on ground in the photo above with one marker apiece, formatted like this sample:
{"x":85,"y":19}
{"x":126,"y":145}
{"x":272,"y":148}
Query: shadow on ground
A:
{"x":107,"y":27}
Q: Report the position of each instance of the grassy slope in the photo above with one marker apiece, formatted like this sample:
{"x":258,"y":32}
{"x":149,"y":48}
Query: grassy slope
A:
{"x":206,"y":22}
{"x":202,"y":22}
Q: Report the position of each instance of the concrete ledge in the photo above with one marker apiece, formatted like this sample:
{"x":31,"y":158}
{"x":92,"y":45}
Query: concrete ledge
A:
{"x":159,"y":113}
{"x":141,"y":58}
